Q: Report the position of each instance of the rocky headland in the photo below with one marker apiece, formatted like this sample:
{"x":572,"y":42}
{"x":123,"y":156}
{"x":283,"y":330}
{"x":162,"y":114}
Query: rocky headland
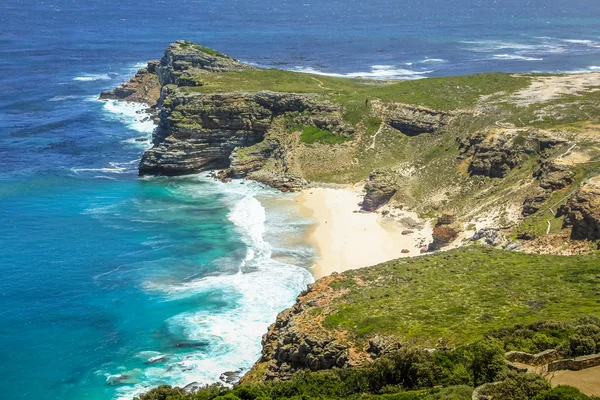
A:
{"x":497,"y":160}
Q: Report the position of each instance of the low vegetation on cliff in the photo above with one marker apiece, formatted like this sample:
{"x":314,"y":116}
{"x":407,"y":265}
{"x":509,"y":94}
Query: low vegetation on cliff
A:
{"x":445,"y":300}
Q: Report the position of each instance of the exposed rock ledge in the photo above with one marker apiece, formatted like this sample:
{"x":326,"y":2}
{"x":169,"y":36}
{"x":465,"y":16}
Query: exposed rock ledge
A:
{"x":199,"y":132}
{"x":582,"y":211}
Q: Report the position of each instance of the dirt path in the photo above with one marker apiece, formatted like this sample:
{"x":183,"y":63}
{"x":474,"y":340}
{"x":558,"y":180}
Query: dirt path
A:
{"x":372,"y":146}
{"x":319,"y":83}
{"x":587,"y":380}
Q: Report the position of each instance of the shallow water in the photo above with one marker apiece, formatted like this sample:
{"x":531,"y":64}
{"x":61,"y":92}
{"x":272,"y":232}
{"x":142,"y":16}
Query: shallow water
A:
{"x":103,"y":272}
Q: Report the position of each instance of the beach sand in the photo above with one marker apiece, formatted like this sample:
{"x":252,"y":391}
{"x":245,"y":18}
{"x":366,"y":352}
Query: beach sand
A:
{"x":347,"y":239}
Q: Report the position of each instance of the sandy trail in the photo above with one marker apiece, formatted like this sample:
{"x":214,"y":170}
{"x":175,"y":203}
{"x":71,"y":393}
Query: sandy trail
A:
{"x":586,"y":380}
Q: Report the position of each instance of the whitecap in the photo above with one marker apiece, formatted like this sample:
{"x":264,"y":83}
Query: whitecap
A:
{"x":376,"y":72}
{"x":583,"y":42}
{"x":515,"y":57}
{"x":92,"y":77}
{"x":432,"y":60}
{"x":63,"y":98}
{"x":134,"y":115}
{"x":250,"y":298}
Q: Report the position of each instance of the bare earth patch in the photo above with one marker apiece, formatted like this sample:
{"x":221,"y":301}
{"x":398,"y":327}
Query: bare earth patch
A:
{"x":548,"y":88}
{"x":587,"y":380}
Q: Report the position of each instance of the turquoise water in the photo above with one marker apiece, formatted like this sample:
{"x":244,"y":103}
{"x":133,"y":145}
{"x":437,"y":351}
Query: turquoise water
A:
{"x":103,"y":273}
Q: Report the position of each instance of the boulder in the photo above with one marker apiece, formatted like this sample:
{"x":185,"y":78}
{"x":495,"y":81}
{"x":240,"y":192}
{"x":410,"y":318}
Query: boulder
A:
{"x":380,"y":188}
{"x":443,"y":235}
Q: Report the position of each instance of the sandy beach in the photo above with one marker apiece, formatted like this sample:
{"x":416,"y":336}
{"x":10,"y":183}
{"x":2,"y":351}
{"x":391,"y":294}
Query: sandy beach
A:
{"x":348,"y":239}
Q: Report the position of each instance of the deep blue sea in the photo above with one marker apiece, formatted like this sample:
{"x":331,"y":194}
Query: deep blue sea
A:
{"x":111,"y":284}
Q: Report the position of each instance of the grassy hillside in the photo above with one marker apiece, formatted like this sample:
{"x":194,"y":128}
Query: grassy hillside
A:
{"x":447,"y":93}
{"x":459,"y":295}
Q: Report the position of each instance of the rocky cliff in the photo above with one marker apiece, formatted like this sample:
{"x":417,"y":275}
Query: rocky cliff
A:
{"x":470,"y":146}
{"x":199,"y":132}
{"x":582,"y":211}
{"x":485,"y":156}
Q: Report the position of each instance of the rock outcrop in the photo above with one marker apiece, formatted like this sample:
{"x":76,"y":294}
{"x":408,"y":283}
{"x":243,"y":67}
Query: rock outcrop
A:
{"x":296,"y":341}
{"x":199,"y":132}
{"x":379,"y":190}
{"x":143,"y":88}
{"x":551,"y":176}
{"x":582,"y":211}
{"x":494,"y":153}
{"x":444,"y":232}
{"x":490,"y":155}
{"x":183,"y":60}
{"x":414,"y":120}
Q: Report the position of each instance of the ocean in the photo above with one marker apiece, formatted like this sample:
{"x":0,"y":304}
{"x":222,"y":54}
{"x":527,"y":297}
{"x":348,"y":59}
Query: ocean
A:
{"x":112,"y":284}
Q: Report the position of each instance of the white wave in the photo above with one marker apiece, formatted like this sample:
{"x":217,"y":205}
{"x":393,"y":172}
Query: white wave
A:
{"x":376,"y":72}
{"x":494,"y":45}
{"x":432,"y":60}
{"x":583,"y":42}
{"x":523,"y":49}
{"x":114,"y":168}
{"x":587,"y":70}
{"x":515,"y":57}
{"x":92,"y":77}
{"x":252,"y":297}
{"x":134,"y":115}
{"x":63,"y":98}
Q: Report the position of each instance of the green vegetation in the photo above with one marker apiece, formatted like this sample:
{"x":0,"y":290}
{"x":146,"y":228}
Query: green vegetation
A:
{"x":406,"y":374}
{"x":447,"y":93}
{"x":191,"y":45}
{"x":457,"y":296}
{"x":312,"y":134}
{"x":570,"y":338}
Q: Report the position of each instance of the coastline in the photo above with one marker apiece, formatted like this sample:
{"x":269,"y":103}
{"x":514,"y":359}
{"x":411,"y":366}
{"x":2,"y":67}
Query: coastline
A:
{"x":346,"y":238}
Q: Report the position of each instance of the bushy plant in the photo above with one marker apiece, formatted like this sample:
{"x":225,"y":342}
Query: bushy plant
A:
{"x":562,"y":393}
{"x":581,"y":345}
{"x":486,"y":361}
{"x":519,"y":386}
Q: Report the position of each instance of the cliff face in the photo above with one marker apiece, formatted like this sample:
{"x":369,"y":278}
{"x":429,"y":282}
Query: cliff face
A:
{"x":143,"y":88}
{"x":435,"y":301}
{"x":582,"y":211}
{"x":199,"y":132}
{"x":183,"y":59}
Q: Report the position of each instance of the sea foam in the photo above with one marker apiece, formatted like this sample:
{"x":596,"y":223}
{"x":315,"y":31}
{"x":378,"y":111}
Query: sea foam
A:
{"x":376,"y":72}
{"x":92,"y":77}
{"x":250,"y":297}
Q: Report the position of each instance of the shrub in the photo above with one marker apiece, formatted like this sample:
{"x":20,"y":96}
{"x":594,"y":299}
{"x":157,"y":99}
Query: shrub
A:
{"x":519,"y":386}
{"x":580,"y":345}
{"x":163,"y":392}
{"x":312,"y":134}
{"x":461,"y":392}
{"x":562,"y":392}
{"x":486,"y":361}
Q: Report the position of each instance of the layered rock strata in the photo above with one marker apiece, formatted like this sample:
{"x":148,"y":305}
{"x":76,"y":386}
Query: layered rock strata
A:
{"x":199,"y":132}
